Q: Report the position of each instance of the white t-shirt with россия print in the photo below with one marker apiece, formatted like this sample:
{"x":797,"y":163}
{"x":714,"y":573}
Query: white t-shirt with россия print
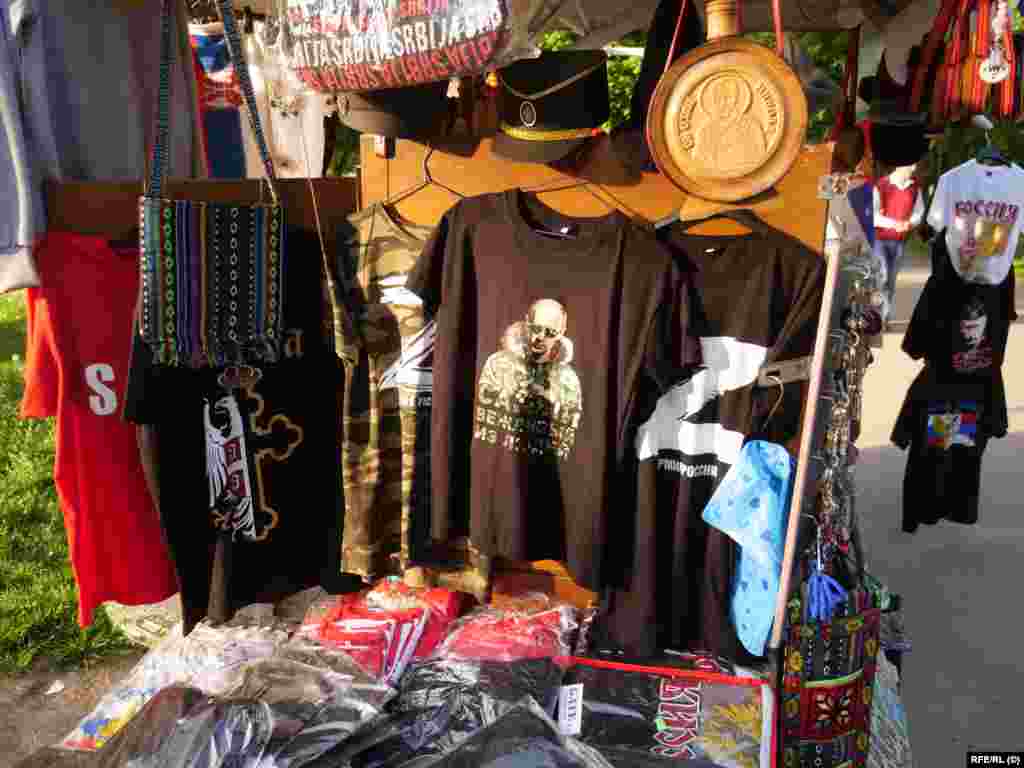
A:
{"x":981,"y":207}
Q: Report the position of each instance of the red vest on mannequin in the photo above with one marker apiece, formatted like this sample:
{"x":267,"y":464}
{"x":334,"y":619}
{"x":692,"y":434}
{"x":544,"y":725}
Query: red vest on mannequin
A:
{"x":897,"y":204}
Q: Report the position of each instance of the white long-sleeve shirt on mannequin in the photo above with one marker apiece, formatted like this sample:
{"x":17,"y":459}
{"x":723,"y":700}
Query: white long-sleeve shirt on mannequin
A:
{"x":294,"y":129}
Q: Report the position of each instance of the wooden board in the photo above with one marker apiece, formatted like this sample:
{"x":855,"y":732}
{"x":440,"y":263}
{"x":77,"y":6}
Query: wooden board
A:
{"x":112,"y":208}
{"x":793,"y":206}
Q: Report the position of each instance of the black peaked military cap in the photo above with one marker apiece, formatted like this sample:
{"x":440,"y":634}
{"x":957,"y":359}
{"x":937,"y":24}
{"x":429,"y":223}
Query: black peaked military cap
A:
{"x":549,"y":106}
{"x":897,"y":136}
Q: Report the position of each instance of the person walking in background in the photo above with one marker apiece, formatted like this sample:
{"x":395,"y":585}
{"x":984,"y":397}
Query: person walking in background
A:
{"x":899,"y":208}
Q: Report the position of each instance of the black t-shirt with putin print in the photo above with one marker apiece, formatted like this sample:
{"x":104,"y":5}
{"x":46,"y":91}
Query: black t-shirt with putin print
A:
{"x":960,"y":327}
{"x":550,"y":350}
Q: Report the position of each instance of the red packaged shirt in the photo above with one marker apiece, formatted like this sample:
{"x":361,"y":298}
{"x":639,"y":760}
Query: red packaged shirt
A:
{"x":384,"y":628}
{"x":78,"y":346}
{"x":381,"y":642}
{"x":497,"y":635}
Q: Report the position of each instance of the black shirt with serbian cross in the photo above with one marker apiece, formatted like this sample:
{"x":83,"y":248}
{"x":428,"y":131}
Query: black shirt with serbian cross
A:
{"x":261,"y":465}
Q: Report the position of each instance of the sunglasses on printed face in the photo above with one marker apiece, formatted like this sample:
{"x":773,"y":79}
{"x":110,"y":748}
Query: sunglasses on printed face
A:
{"x":543,"y":330}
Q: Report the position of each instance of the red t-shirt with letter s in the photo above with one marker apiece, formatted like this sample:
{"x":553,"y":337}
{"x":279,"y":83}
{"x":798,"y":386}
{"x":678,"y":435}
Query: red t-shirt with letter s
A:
{"x":79,"y":340}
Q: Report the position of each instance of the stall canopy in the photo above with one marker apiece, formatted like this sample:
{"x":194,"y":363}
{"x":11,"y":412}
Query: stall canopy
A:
{"x":599,"y":22}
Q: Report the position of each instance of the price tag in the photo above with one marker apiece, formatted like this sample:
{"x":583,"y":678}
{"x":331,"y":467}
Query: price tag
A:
{"x":570,"y":709}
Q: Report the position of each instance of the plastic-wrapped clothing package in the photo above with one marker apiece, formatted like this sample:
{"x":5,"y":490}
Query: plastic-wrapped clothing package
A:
{"x":145,"y":735}
{"x":301,"y":650}
{"x":429,"y":683}
{"x":384,"y":628}
{"x":535,"y":629}
{"x":312,"y":709}
{"x":207,"y":659}
{"x":280,"y":714}
{"x":524,"y":737}
{"x":441,"y":703}
{"x":181,"y":727}
{"x":890,"y":741}
{"x":644,"y":712}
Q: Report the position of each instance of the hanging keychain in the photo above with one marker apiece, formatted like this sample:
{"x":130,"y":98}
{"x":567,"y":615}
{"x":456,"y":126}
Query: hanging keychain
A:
{"x":824,"y":593}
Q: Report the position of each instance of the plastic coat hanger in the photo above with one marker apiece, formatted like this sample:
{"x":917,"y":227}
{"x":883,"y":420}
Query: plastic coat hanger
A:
{"x":989,"y":154}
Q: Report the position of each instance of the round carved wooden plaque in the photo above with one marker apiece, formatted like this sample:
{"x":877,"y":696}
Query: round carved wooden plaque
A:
{"x":727,"y":120}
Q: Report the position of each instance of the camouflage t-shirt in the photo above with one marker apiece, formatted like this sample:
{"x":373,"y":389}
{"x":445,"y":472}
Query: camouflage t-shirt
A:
{"x":387,"y":405}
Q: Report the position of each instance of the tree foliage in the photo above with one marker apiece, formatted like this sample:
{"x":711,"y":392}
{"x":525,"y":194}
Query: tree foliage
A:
{"x":826,"y":49}
{"x":346,"y":152}
{"x":961,"y":141}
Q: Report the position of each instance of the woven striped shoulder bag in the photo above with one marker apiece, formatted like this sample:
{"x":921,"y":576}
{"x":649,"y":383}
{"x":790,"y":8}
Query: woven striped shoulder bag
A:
{"x":212,"y":274}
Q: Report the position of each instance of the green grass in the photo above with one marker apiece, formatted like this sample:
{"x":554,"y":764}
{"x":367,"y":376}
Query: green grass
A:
{"x":38,"y":599}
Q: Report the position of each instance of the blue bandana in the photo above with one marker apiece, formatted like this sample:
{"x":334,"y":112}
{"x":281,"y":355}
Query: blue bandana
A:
{"x":751,"y":506}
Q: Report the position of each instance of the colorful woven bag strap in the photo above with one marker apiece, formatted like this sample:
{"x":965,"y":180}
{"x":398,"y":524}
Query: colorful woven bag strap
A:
{"x":957,"y":52}
{"x":1008,"y":88}
{"x":161,"y":146}
{"x":935,"y":42}
{"x":979,"y":89}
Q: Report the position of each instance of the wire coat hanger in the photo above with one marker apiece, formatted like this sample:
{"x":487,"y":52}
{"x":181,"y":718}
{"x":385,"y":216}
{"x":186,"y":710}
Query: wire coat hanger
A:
{"x":743,"y":216}
{"x":778,"y":402}
{"x":989,"y":154}
{"x":427,"y":181}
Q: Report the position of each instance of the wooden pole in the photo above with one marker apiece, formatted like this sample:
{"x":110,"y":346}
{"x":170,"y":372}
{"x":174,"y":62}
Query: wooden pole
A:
{"x":807,"y":434}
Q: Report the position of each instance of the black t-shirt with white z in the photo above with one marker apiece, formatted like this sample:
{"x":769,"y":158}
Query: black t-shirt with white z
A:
{"x":757,"y":300}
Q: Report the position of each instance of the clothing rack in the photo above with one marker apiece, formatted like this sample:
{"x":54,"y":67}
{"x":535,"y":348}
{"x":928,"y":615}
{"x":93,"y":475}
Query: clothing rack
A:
{"x":472,"y":168}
